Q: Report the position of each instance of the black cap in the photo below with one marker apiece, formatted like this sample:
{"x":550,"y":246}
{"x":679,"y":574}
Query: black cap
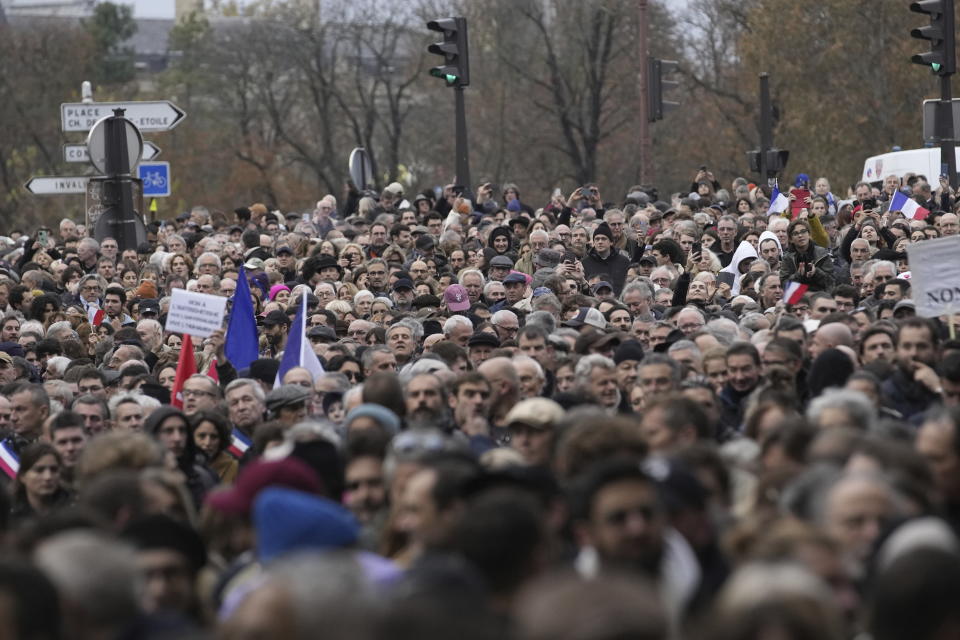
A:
{"x":322,"y":331}
{"x":276,"y":317}
{"x":149,"y":306}
{"x":483,"y":338}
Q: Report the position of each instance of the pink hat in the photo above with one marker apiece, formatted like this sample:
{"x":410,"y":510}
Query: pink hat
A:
{"x":456,"y":298}
{"x":277,"y":288}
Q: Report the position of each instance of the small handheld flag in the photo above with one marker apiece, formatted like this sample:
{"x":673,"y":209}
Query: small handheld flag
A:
{"x":9,"y":460}
{"x":908,"y":206}
{"x":298,"y":352}
{"x":239,"y":443}
{"x":186,"y":367}
{"x":793,"y":292}
{"x":778,"y":202}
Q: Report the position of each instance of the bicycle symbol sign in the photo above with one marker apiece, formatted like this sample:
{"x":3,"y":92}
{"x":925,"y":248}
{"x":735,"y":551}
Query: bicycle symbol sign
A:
{"x":156,"y":179}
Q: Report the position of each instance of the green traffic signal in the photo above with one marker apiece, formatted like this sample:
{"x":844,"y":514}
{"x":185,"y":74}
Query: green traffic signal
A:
{"x":935,"y":66}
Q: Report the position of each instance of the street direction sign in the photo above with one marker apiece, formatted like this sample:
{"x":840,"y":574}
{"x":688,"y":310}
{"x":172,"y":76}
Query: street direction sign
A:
{"x":159,"y":115}
{"x":57,"y":185}
{"x":156,"y":179}
{"x":78,"y":152}
{"x":97,"y":146}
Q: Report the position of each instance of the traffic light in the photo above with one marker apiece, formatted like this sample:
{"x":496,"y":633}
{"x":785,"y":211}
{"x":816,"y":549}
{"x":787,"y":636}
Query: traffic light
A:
{"x":659,"y":82}
{"x":456,"y":62}
{"x":776,"y":160}
{"x":941,"y":58}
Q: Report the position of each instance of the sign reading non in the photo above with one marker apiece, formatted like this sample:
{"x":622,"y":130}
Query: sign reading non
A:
{"x":935,"y":276}
{"x":156,"y":179}
{"x":198,"y":314}
{"x":159,"y":115}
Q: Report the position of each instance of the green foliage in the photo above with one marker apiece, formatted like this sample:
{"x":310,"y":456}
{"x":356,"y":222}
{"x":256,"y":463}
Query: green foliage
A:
{"x":111,"y":26}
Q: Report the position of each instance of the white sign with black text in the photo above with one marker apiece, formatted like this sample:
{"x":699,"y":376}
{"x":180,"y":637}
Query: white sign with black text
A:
{"x":935,"y":276}
{"x":198,"y":314}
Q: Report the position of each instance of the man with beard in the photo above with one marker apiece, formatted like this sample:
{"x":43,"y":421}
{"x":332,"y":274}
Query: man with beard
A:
{"x":366,"y":494}
{"x":426,"y":403}
{"x":275,"y":327}
{"x":620,"y":517}
{"x":914,"y":385}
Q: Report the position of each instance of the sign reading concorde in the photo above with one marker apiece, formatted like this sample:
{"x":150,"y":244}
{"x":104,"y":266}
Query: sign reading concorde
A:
{"x":159,"y":115}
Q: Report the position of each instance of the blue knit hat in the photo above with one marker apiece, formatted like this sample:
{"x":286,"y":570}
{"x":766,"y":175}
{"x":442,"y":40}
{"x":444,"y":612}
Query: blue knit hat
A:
{"x":287,"y":520}
{"x":387,"y":419}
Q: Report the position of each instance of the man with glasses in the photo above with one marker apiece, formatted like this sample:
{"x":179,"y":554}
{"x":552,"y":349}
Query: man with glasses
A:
{"x":359,"y":329}
{"x":208,"y":263}
{"x":506,"y":324}
{"x":200,"y":393}
{"x":377,"y":273}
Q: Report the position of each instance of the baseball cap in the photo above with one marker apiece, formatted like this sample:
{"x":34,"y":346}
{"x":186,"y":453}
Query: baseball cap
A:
{"x":602,"y":285}
{"x":589,"y":316}
{"x":275,"y":317}
{"x":149,"y":306}
{"x":403,"y":283}
{"x":647,"y":260}
{"x":539,"y":413}
{"x":284,"y":250}
{"x":254,"y":263}
{"x":456,"y":298}
{"x":5,"y":357}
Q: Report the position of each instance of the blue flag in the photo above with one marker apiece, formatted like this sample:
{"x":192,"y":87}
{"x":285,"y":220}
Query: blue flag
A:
{"x":242,"y":346}
{"x":298,"y":352}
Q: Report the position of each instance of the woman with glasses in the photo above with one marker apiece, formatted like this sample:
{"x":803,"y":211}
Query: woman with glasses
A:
{"x":805,"y":262}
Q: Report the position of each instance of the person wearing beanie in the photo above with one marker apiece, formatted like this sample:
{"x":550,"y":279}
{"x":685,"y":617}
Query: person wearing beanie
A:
{"x":603,"y":261}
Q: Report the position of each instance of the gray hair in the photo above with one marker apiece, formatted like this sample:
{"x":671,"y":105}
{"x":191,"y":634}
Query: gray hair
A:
{"x":881,"y":263}
{"x":473,"y":272}
{"x":147,"y":403}
{"x":586,"y":365}
{"x":258,"y":392}
{"x":683,"y":345}
{"x":415,"y":327}
{"x":58,"y":364}
{"x":57,"y":327}
{"x":521,"y":358}
{"x":209,"y":254}
{"x":97,"y":574}
{"x":854,"y":403}
{"x":543,"y":319}
{"x":753,"y":321}
{"x":502,"y":315}
{"x":455,"y":321}
{"x":724,"y":330}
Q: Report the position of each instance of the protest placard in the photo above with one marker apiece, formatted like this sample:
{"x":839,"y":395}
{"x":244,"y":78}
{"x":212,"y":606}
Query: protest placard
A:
{"x":198,"y":314}
{"x":935,"y":276}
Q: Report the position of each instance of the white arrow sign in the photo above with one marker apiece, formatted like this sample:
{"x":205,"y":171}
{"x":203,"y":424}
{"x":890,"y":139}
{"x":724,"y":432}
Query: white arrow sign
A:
{"x":79,"y":153}
{"x":160,"y":115}
{"x":57,"y":185}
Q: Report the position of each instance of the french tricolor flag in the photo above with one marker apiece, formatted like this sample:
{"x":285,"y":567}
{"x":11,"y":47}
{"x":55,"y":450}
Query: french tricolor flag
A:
{"x":239,"y":443}
{"x":9,"y":461}
{"x":778,"y":202}
{"x":909,"y":207}
{"x":793,"y":292}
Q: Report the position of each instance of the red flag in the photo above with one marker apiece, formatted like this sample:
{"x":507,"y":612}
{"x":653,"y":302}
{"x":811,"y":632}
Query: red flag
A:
{"x":186,"y":367}
{"x":212,"y":371}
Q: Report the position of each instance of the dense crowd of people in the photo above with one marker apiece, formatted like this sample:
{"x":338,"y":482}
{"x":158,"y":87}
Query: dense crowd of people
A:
{"x":676,"y":416}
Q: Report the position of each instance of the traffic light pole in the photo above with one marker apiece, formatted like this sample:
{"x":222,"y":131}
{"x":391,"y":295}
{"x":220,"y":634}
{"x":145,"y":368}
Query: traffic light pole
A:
{"x":945,"y":130}
{"x":463,"y":156}
{"x":766,"y":126}
{"x":646,"y":170}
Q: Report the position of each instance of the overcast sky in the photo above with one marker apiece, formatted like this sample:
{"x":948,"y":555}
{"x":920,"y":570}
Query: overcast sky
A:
{"x":164,"y":8}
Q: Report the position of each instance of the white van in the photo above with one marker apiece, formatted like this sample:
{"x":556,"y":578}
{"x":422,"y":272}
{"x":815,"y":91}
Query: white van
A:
{"x":925,"y":162}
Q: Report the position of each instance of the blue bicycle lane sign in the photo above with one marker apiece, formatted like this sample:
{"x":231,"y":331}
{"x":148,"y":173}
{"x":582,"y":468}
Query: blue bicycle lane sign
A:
{"x":156,"y":179}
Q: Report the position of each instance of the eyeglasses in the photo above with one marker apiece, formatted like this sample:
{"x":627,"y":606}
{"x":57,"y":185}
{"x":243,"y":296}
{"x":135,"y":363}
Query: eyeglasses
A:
{"x":799,"y":232}
{"x":357,"y":333}
{"x":376,"y":273}
{"x":90,"y":288}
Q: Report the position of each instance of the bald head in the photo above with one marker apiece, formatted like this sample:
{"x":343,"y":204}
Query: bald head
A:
{"x":830,"y":336}
{"x":499,"y":370}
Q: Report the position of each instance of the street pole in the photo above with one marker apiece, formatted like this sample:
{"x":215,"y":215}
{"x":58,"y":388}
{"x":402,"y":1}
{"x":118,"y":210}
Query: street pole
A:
{"x":463,"y":157}
{"x":945,"y":130}
{"x":119,"y":219}
{"x":766,"y":125}
{"x":646,"y":170}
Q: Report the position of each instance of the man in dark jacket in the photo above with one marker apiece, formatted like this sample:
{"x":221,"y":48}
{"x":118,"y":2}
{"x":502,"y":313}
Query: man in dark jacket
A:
{"x":603,"y":259}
